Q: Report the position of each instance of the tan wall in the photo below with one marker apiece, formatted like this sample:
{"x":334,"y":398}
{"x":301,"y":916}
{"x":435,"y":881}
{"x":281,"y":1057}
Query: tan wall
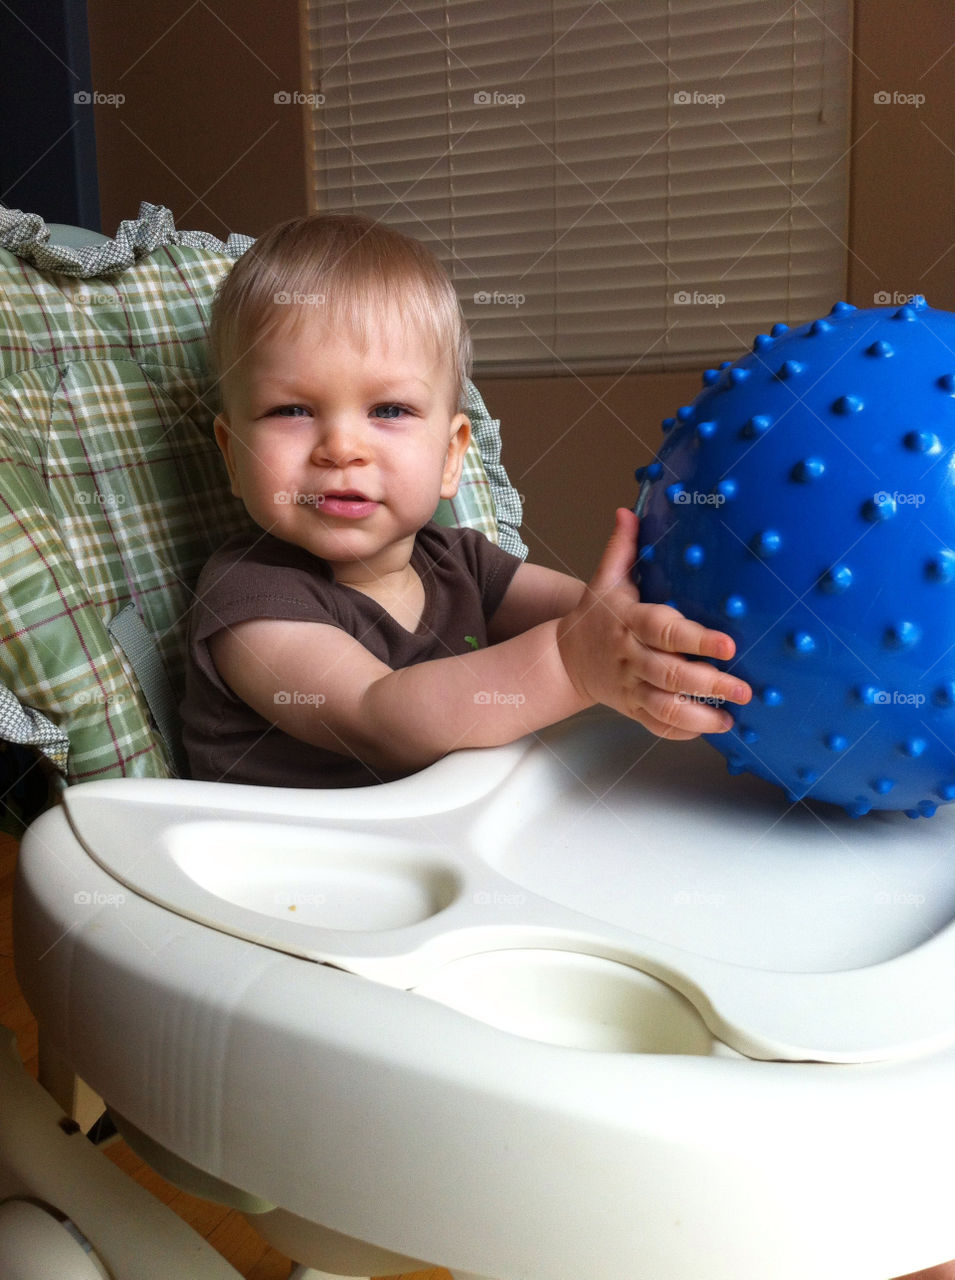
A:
{"x":201,"y":133}
{"x":902,"y":193}
{"x":570,"y":448}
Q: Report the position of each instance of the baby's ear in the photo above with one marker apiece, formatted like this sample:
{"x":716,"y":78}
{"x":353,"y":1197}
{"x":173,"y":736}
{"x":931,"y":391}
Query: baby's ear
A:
{"x":457,"y":448}
{"x":223,"y":434}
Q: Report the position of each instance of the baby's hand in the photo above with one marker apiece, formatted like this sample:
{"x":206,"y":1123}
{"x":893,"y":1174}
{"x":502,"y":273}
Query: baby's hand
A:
{"x":629,"y":655}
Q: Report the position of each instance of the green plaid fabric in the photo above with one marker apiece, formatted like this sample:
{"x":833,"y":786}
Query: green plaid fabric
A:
{"x":111,"y":486}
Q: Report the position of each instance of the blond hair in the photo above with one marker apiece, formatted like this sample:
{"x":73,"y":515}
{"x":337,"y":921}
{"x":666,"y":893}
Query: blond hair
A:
{"x":356,"y":271}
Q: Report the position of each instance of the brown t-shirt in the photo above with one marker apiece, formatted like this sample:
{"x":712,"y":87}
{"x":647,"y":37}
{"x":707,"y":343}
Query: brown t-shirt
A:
{"x":256,"y":575}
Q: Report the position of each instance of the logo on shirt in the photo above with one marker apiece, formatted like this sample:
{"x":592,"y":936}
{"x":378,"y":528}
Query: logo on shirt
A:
{"x":472,"y":642}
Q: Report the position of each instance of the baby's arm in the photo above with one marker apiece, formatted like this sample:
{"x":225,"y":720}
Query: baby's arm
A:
{"x":535,"y":595}
{"x":608,"y":648}
{"x":347,"y":700}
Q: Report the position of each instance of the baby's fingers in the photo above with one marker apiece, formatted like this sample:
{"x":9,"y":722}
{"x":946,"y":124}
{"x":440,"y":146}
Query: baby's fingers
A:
{"x":681,"y":715}
{"x":705,"y":682}
{"x":664,"y":628}
{"x":692,"y":680}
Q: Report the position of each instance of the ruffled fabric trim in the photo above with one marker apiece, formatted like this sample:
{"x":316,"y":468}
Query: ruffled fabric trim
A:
{"x":28,"y":237}
{"x":31,"y":728}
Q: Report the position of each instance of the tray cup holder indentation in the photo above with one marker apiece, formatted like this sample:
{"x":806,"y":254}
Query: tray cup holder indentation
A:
{"x":571,"y":999}
{"x":339,"y":880}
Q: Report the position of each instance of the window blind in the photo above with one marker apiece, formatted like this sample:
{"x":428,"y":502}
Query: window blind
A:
{"x":612,"y":186}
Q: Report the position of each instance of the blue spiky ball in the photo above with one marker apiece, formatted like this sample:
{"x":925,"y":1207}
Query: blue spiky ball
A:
{"x":805,"y":504}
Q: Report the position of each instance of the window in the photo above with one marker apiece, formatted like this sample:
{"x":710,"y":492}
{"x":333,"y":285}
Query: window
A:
{"x":612,"y":185}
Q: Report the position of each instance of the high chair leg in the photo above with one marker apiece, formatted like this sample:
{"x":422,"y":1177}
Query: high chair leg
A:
{"x":73,"y":1095}
{"x":57,"y":1190}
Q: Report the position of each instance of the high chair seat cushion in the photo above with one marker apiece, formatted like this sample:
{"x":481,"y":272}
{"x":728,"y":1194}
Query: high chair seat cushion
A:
{"x":112,"y":488}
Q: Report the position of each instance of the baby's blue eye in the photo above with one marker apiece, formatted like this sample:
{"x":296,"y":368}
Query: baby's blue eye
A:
{"x":389,"y":411}
{"x":288,"y":411}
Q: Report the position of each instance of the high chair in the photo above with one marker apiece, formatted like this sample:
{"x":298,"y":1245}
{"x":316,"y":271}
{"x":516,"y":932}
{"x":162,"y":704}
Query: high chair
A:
{"x":578,"y":1006}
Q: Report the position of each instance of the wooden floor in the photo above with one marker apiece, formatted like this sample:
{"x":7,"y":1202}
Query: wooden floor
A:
{"x":225,"y":1229}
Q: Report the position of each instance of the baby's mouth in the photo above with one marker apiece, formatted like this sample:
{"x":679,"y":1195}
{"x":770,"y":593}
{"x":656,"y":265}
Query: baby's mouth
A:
{"x":346,"y":502}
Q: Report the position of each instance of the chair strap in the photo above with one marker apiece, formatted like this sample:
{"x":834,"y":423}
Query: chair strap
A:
{"x":129,"y":631}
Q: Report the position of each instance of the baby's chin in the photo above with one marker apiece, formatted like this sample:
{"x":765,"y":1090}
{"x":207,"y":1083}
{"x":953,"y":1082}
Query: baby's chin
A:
{"x":355,"y":552}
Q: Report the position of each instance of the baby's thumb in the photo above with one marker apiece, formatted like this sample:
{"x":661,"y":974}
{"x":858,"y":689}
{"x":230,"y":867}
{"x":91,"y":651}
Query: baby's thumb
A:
{"x":619,"y":553}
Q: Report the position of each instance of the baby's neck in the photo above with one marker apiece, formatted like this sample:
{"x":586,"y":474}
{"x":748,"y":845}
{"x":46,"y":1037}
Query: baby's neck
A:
{"x":400,"y":594}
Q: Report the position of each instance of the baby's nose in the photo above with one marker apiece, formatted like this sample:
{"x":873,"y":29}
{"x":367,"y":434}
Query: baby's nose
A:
{"x":341,"y":442}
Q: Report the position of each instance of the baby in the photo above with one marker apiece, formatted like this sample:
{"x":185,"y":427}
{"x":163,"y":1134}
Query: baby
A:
{"x":349,"y":639}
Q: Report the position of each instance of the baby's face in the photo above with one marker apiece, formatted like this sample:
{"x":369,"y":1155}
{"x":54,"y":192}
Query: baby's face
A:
{"x":340,"y":450}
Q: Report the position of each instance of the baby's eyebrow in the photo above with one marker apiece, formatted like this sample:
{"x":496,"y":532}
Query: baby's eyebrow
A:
{"x":400,"y":395}
{"x":283,"y":389}
{"x":409,"y":384}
